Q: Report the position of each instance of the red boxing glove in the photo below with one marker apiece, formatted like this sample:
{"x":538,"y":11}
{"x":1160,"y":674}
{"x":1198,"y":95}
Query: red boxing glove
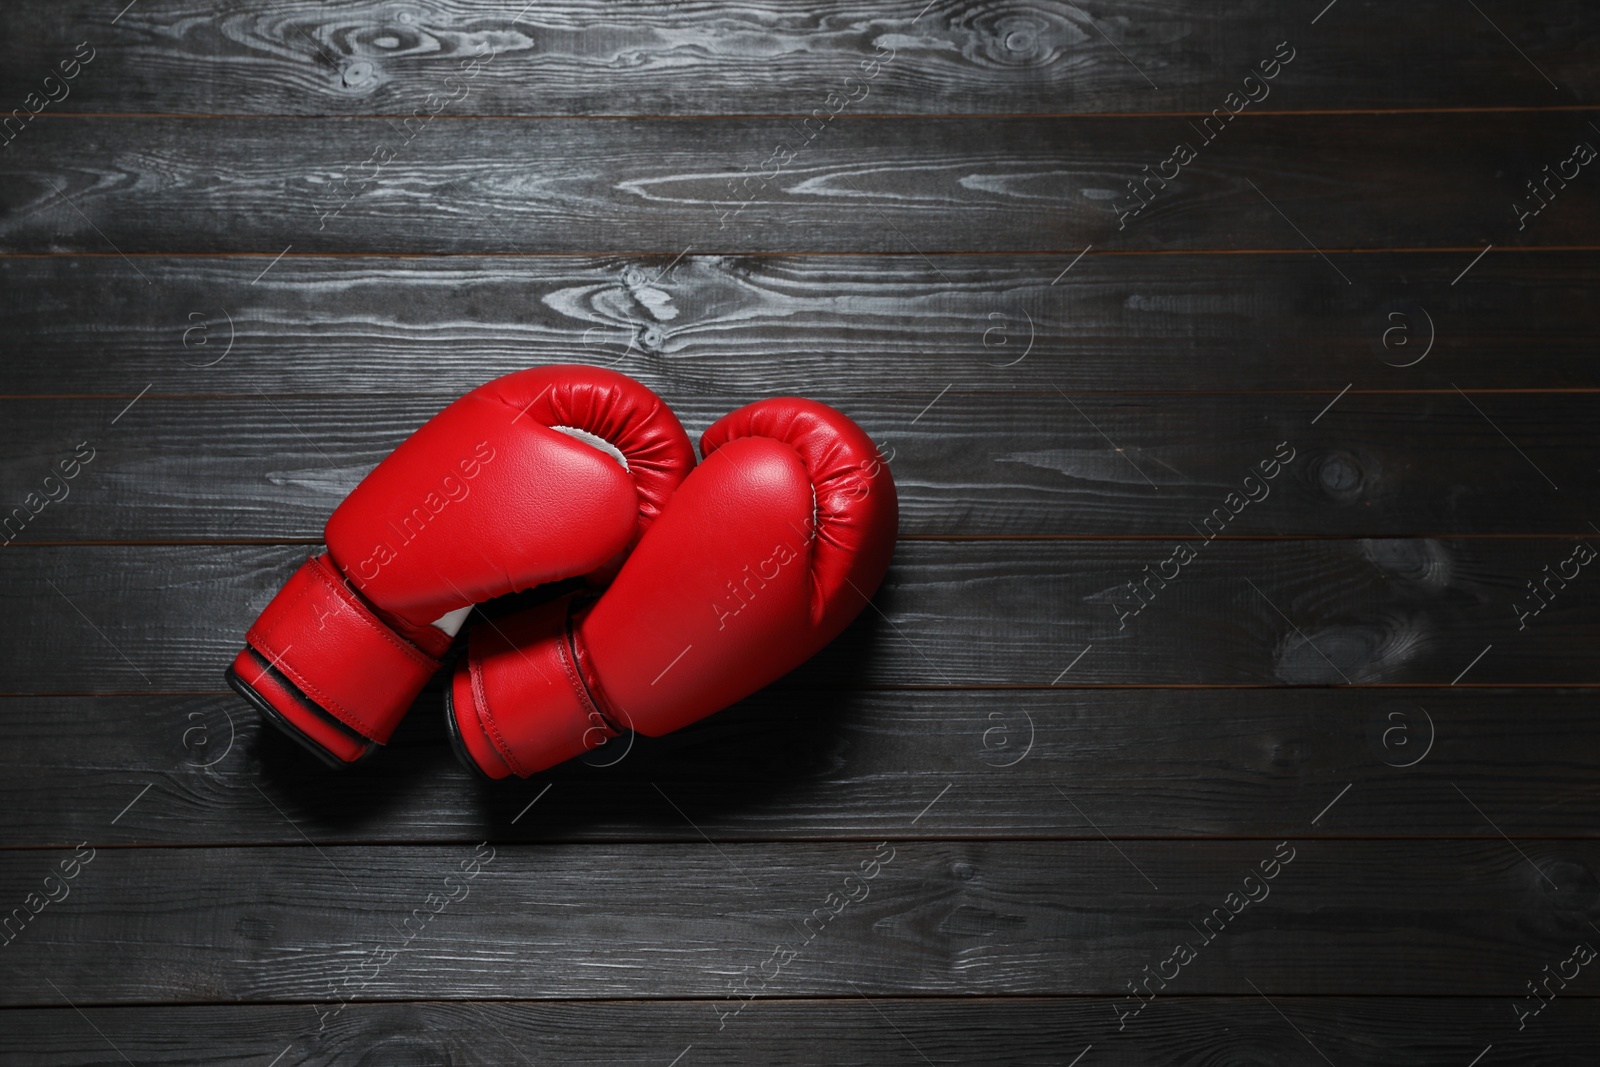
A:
{"x":540,"y":475}
{"x":767,"y":551}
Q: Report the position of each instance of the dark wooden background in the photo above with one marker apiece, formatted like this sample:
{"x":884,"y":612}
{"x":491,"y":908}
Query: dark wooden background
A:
{"x":1063,"y":400}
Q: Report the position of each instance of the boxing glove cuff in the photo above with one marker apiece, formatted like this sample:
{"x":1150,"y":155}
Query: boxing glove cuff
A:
{"x":558,"y":712}
{"x":322,"y":637}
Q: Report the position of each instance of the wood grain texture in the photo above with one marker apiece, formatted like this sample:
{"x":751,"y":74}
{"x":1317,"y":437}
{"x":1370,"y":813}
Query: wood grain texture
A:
{"x":743,"y":326}
{"x":948,"y":918}
{"x":208,"y":276}
{"x":784,"y":765}
{"x":1018,"y":463}
{"x":589,"y":57}
{"x":950,"y":614}
{"x":907,"y":185}
{"x":1176,"y":1030}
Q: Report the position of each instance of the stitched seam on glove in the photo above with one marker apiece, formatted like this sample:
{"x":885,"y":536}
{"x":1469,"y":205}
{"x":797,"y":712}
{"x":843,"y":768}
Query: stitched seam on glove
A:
{"x":486,"y":722}
{"x":311,"y":689}
{"x":366,"y":616}
{"x":588,"y":685}
{"x":268,"y":673}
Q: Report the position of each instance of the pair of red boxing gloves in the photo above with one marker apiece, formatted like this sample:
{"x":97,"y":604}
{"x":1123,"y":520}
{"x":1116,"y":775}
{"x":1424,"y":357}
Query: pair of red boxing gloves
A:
{"x":714,"y":580}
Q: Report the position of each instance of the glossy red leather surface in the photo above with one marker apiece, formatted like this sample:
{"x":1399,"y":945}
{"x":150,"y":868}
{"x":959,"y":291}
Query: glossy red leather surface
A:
{"x":733,"y":587}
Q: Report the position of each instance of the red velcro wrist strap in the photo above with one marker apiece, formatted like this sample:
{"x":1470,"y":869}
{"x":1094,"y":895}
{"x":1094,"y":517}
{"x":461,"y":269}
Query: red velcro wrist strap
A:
{"x":326,"y":641}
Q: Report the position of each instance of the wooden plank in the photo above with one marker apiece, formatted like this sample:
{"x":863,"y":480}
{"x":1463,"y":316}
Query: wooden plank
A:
{"x":846,"y":1032}
{"x":950,"y":918}
{"x":586,"y":57}
{"x":831,"y":325}
{"x":906,"y":185}
{"x":106,"y":619}
{"x":1173,"y":763}
{"x":603,"y":154}
{"x":186,"y":469}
